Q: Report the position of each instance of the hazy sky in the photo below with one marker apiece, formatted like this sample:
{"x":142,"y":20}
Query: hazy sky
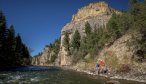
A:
{"x":39,"y":22}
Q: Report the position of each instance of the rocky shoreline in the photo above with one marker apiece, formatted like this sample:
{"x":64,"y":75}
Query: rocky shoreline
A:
{"x":128,"y":76}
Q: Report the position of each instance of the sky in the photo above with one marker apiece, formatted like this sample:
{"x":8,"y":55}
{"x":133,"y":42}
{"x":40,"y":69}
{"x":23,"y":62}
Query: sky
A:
{"x":39,"y":22}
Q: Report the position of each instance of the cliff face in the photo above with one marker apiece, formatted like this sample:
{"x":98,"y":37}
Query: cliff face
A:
{"x":44,"y":58}
{"x":92,"y":10}
{"x":96,"y":14}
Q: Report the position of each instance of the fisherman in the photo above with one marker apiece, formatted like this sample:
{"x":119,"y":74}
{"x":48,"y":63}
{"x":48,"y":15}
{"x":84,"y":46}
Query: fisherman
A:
{"x":98,"y":67}
{"x":103,"y":67}
{"x":102,"y":63}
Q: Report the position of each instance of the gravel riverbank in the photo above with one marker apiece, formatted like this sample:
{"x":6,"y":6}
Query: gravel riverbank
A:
{"x":139,"y":77}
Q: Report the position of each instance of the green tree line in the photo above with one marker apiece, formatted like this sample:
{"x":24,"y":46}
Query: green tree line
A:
{"x":13,"y":52}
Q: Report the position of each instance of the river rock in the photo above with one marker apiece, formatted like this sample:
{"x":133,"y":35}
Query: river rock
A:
{"x":112,"y":82}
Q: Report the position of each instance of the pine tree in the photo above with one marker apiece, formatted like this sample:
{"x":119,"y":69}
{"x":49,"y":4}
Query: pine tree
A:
{"x":76,"y":40}
{"x":135,"y":9}
{"x":3,"y":35}
{"x":25,"y":55}
{"x":66,"y":42}
{"x":113,"y":28}
{"x":2,"y":29}
{"x":88,"y":39}
{"x":132,"y":6}
{"x":13,"y":52}
{"x":57,"y":46}
{"x":55,"y":49}
{"x":88,"y":29}
{"x":10,"y":45}
{"x":18,"y":50}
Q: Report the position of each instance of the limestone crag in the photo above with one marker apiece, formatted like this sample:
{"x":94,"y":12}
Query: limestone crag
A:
{"x":44,"y":58}
{"x":93,"y":9}
{"x":96,"y":14}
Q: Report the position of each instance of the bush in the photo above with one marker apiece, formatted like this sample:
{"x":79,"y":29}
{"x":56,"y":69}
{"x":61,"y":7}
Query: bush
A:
{"x":78,"y":55}
{"x":111,"y":60}
{"x":125,"y":68}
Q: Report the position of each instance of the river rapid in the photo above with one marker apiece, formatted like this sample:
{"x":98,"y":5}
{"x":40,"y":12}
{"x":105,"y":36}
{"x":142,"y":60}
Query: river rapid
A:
{"x":50,"y":75}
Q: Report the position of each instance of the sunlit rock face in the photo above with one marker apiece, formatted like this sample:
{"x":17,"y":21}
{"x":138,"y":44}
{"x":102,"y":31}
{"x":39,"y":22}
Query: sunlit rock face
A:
{"x":44,"y":58}
{"x":93,"y":9}
{"x":96,"y":14}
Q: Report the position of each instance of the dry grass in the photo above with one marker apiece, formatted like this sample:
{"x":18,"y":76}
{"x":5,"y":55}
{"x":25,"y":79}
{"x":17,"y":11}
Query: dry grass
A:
{"x":111,"y":60}
{"x":91,"y":65}
{"x":125,"y":68}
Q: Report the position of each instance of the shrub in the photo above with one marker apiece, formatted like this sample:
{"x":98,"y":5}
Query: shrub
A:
{"x":125,"y":68}
{"x":111,"y":60}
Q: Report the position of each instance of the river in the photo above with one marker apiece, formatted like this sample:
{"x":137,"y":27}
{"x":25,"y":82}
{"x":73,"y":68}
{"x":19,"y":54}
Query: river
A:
{"x":50,"y":75}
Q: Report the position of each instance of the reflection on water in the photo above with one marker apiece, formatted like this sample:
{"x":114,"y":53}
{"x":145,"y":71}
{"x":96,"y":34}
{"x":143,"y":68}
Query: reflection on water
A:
{"x":50,"y":75}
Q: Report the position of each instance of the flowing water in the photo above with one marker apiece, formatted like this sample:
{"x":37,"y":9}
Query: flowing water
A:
{"x":50,"y":75}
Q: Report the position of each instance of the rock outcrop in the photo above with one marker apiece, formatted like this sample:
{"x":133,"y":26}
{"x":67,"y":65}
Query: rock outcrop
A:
{"x":44,"y":58}
{"x":96,"y":14}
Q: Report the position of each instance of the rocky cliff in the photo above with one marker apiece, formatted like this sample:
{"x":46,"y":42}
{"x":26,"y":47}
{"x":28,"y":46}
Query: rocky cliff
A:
{"x":48,"y":56}
{"x":44,"y":58}
{"x":96,"y":14}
